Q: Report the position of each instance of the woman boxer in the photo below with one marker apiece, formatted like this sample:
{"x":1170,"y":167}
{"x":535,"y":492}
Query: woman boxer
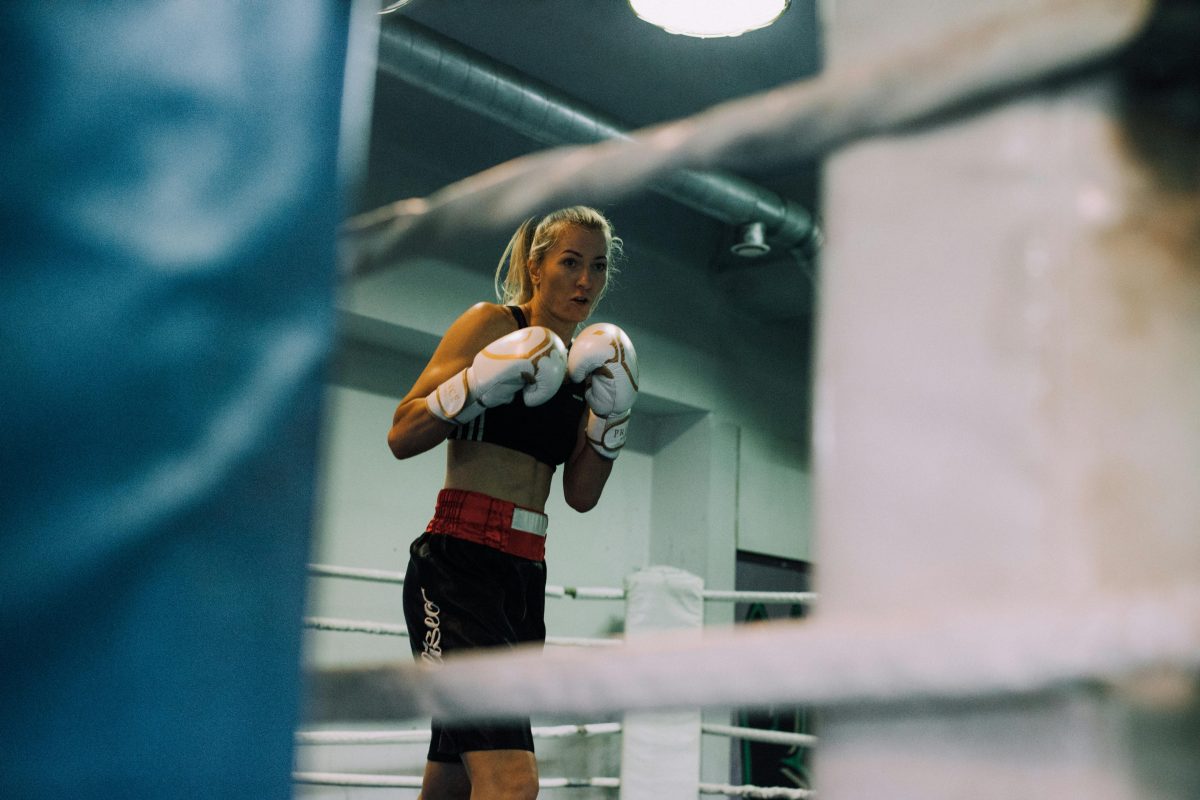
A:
{"x":514,"y":404}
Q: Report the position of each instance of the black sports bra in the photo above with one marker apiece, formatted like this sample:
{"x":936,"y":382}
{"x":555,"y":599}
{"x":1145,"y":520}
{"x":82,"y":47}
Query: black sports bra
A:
{"x":546,"y":432}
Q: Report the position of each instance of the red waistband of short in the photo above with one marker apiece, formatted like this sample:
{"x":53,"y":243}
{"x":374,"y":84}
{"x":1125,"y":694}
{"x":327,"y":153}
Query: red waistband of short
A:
{"x":486,"y":520}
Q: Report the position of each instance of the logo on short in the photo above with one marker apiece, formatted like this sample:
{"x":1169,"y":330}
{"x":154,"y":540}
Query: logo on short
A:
{"x":431,"y":645}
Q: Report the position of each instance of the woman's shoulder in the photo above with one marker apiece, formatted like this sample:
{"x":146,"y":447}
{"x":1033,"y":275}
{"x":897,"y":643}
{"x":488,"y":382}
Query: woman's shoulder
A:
{"x":485,"y":313}
{"x":489,"y":320}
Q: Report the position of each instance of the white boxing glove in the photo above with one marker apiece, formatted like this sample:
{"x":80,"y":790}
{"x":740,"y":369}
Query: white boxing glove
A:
{"x":530,"y":360}
{"x":604,"y":358}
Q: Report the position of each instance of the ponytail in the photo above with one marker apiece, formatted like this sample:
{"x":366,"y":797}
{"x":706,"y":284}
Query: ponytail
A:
{"x":516,"y":287}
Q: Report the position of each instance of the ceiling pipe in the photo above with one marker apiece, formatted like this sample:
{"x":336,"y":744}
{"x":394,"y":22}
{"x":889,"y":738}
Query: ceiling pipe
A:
{"x":432,"y":62}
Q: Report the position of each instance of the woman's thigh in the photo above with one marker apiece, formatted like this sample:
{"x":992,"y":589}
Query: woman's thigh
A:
{"x":502,"y":773}
{"x":445,"y":781}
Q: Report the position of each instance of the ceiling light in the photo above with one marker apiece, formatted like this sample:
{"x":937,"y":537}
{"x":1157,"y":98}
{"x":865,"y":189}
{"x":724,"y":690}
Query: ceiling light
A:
{"x":707,"y":18}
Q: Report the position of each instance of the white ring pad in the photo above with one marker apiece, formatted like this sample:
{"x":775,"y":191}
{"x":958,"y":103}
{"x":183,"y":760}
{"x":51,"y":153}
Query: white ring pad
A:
{"x":660,"y":750}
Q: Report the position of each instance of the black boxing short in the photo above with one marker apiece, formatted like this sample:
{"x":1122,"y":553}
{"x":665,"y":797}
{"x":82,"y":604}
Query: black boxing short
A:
{"x":462,"y":594}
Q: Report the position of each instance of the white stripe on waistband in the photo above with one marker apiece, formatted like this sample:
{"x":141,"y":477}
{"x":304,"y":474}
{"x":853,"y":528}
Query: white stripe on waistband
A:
{"x":529,"y":521}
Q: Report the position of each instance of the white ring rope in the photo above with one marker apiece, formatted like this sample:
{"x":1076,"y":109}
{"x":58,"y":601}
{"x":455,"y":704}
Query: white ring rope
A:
{"x":568,"y":731}
{"x":581,"y":641}
{"x":392,"y":629}
{"x":954,"y":653}
{"x":996,"y":52}
{"x":355,"y":626}
{"x":585,"y":592}
{"x":572,"y":592}
{"x":353,"y":779}
{"x":414,"y":782}
{"x":760,"y":735}
{"x":572,"y":783}
{"x":552,"y":732}
{"x":355,"y":573}
{"x":722,"y":595}
{"x":362,"y":737}
{"x":417,"y":736}
{"x":757,"y":792}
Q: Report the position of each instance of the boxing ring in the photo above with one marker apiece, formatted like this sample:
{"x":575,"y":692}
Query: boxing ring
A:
{"x":1007,"y":544}
{"x":1006,"y":456}
{"x":652,"y":599}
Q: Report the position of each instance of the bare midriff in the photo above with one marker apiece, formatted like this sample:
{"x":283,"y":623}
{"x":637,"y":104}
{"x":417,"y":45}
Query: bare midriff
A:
{"x":499,"y":472}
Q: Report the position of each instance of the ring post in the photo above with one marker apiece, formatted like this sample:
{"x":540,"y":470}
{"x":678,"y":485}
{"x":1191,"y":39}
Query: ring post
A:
{"x":1018,"y":434}
{"x":660,"y":752}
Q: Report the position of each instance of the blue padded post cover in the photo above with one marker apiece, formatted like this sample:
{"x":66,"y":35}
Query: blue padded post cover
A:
{"x":168,"y":205}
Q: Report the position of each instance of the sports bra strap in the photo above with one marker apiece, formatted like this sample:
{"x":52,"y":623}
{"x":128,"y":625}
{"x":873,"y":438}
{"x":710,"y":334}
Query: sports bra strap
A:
{"x":519,"y":316}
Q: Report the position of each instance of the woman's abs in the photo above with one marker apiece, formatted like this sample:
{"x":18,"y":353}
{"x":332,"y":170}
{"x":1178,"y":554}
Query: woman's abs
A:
{"x":499,"y":472}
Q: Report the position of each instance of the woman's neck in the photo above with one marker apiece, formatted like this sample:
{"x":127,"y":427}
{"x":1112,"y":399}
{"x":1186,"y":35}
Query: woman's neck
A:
{"x":565,"y":328}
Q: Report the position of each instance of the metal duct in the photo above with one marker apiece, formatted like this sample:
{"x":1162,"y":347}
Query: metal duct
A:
{"x":421,"y":57}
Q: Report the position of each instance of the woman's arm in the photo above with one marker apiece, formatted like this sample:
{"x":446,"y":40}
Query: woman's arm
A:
{"x":585,"y":472}
{"x":414,"y":429}
{"x":603,"y":356}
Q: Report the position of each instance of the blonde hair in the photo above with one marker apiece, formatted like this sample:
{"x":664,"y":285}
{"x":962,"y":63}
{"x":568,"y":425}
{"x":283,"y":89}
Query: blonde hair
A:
{"x":535,"y":237}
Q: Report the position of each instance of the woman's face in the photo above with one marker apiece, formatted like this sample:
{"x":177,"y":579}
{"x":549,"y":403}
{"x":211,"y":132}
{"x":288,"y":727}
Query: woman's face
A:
{"x":571,"y":275}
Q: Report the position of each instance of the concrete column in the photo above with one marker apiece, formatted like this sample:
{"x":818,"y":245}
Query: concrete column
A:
{"x":694,"y":516}
{"x":694,"y":527}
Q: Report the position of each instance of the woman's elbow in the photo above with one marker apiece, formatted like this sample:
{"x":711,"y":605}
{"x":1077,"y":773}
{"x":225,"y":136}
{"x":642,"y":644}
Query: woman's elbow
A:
{"x":401,"y":446}
{"x":582,"y":502}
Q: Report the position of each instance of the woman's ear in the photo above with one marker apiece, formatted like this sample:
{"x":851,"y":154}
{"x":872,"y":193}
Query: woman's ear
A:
{"x":535,"y":272}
